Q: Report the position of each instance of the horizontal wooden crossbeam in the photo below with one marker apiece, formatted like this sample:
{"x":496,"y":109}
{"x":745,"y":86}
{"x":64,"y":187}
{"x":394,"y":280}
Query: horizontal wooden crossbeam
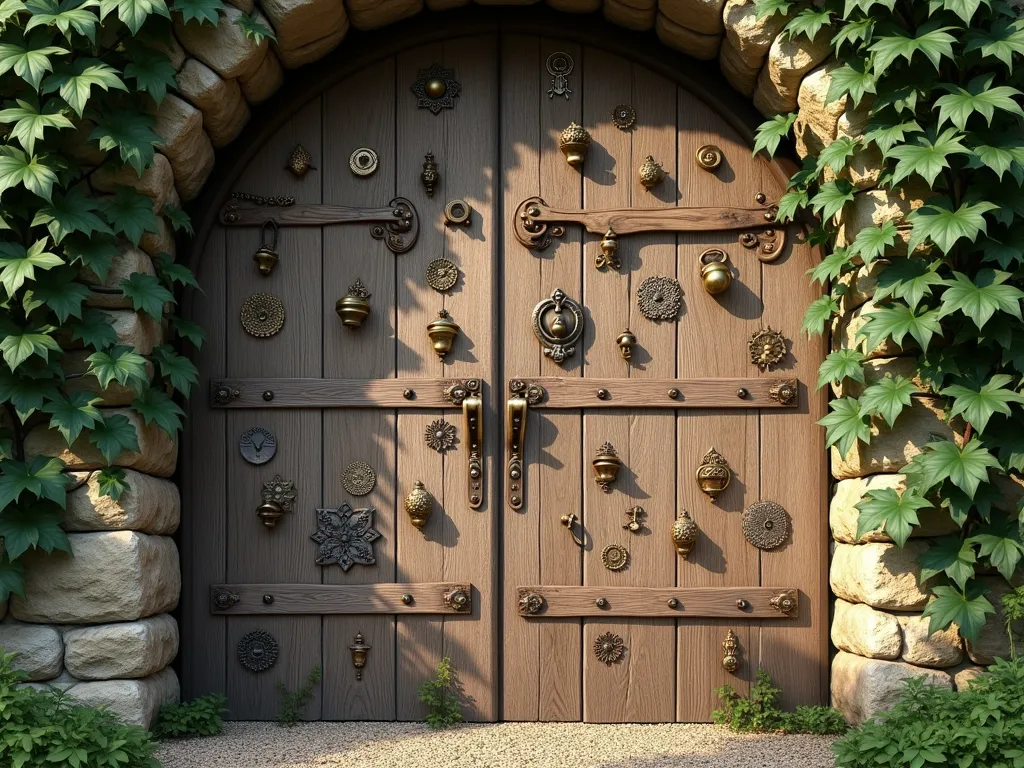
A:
{"x":667,"y":393}
{"x":331,"y":393}
{"x":654,"y":602}
{"x":270,"y":599}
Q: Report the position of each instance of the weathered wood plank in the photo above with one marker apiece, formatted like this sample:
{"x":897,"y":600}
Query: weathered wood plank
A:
{"x":339,"y":598}
{"x":591,"y":393}
{"x":651,"y":602}
{"x":336,"y":393}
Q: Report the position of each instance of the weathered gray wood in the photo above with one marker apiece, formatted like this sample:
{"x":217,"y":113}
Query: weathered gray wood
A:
{"x":340,"y":393}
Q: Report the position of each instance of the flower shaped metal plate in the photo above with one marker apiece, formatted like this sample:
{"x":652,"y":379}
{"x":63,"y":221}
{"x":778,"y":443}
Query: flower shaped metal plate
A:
{"x":615,"y":557}
{"x":624,"y":117}
{"x":257,"y":651}
{"x":279,"y":491}
{"x":609,"y":648}
{"x":767,"y":348}
{"x":440,"y":435}
{"x":262,"y":315}
{"x":436,"y":89}
{"x":766,"y":524}
{"x":345,"y":536}
{"x":659,"y":298}
{"x":359,"y":478}
{"x":442,"y":274}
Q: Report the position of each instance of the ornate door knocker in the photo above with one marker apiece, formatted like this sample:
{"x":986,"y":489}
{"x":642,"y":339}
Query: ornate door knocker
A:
{"x":569,"y":521}
{"x":550,"y":325}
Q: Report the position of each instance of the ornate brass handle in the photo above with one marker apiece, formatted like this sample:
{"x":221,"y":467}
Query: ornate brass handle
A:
{"x":523,"y":395}
{"x":467,"y":394}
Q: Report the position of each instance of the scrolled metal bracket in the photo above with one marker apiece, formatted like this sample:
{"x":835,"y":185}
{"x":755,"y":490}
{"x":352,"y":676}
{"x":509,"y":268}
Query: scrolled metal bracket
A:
{"x":222,"y":599}
{"x":787,"y":603}
{"x":467,"y":394}
{"x":530,"y":603}
{"x":522,"y":395}
{"x":459,"y":599}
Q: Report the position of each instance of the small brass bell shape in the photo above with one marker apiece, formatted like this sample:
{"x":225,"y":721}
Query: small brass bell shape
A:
{"x":684,"y":534}
{"x":574,"y":143}
{"x":419,"y":505}
{"x":442,"y":332}
{"x":651,"y":173}
{"x":354,"y":307}
{"x":626,"y":341}
{"x":609,"y":248}
{"x":269,"y":513}
{"x":606,"y":466}
{"x":266,"y":255}
{"x":715,"y":273}
{"x":359,"y":650}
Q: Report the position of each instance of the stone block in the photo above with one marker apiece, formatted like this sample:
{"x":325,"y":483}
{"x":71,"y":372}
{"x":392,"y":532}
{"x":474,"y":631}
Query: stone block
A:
{"x":704,"y":16}
{"x":843,"y":514}
{"x":862,"y":630}
{"x":133,"y":701}
{"x":308,"y":29}
{"x":891,"y":449}
{"x":861,"y":688}
{"x":993,"y":642}
{"x":638,"y":14}
{"x":60,"y":683}
{"x":373,"y":14}
{"x":76,"y":143}
{"x":225,"y":111}
{"x":114,"y":394}
{"x":941,"y":649}
{"x":847,"y":334}
{"x":224,"y":48}
{"x":965,"y":674}
{"x":39,"y":647}
{"x":186,"y":144}
{"x":127,"y":261}
{"x":126,"y":650}
{"x":788,"y":61}
{"x":148,"y":505}
{"x":157,"y":454}
{"x":156,"y":182}
{"x":874,"y":207}
{"x":877,"y":369}
{"x":740,"y":76}
{"x":859,"y":285}
{"x":695,"y":44}
{"x":311,"y":51}
{"x":750,"y":37}
{"x":880,"y":575}
{"x":264,"y":82}
{"x":566,"y":6}
{"x":161,"y":241}
{"x":114,"y":576}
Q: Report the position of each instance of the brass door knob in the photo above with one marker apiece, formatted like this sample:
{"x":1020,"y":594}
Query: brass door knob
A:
{"x":715,"y":273}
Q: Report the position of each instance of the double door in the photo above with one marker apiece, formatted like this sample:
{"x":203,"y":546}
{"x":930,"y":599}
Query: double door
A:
{"x":515,"y":575}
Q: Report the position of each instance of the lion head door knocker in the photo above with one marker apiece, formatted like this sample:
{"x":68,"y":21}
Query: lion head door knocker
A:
{"x":363,"y":162}
{"x":635,"y":519}
{"x":278,"y":496}
{"x":606,"y":466}
{"x":713,"y":474}
{"x":345,"y":536}
{"x":262,"y":315}
{"x":266,"y":256}
{"x":623,"y":117}
{"x":559,"y":66}
{"x":767,"y":348}
{"x":684,"y":534}
{"x":354,"y":307}
{"x":609,"y":648}
{"x":626,"y":342}
{"x":607,"y":256}
{"x":615,"y":557}
{"x":436,"y":89}
{"x":557,"y":333}
{"x":257,"y":445}
{"x":651,"y":173}
{"x":419,"y":505}
{"x":574,"y":143}
{"x":442,"y":333}
{"x":430,"y":177}
{"x":715,"y":271}
{"x":300,"y":162}
{"x":766,"y":524}
{"x":360,"y":650}
{"x":257,"y":651}
{"x":709,"y":157}
{"x":730,"y":652}
{"x":659,"y":298}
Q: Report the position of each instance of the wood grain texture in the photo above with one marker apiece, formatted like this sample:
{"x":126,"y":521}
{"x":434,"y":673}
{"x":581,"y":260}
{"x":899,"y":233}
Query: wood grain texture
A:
{"x":654,"y":393}
{"x":648,"y":602}
{"x":240,"y":213}
{"x":340,"y":598}
{"x":629,"y":220}
{"x":341,"y":393}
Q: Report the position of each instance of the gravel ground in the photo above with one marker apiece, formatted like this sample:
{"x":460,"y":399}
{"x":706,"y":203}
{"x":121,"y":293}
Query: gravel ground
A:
{"x":503,"y":745}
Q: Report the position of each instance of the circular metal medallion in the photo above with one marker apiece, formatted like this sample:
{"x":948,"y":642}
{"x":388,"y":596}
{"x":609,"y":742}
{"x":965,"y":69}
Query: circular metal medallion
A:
{"x":440,"y":435}
{"x":363,"y":162}
{"x":609,"y":648}
{"x":257,"y":651}
{"x":624,"y":117}
{"x":660,"y":298}
{"x":262,"y":315}
{"x":766,"y":524}
{"x":559,"y":63}
{"x":709,"y":157}
{"x":767,"y":348}
{"x":442,"y":275}
{"x":359,"y":478}
{"x":257,"y":445}
{"x":615,"y":557}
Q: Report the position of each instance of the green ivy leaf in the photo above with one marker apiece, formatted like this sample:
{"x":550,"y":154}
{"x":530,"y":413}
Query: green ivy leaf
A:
{"x":871,"y":242}
{"x":151,"y":70}
{"x":831,"y":266}
{"x":130,"y":213}
{"x":30,"y":62}
{"x":1001,"y":40}
{"x":134,"y":12}
{"x":792,"y":202}
{"x":154,"y":406}
{"x":70,"y":415}
{"x":944,"y":227}
{"x":909,"y":279}
{"x":17,"y":168}
{"x":982,"y":297}
{"x":9,"y":9}
{"x":978,"y":97}
{"x":76,"y":82}
{"x":853,"y":32}
{"x":254,"y":29}
{"x":201,"y":11}
{"x":32,"y":526}
{"x":190,"y":331}
{"x":928,"y":157}
{"x":11,"y":578}
{"x":146,"y":293}
{"x":68,"y":213}
{"x":841,"y":364}
{"x":115,"y":433}
{"x":887,"y":134}
{"x":1005,"y":155}
{"x":831,"y":198}
{"x":94,"y":330}
{"x":818,"y":314}
{"x":892,"y":512}
{"x":809,"y":22}
{"x":60,"y":291}
{"x":836,"y":154}
{"x":979,"y":405}
{"x":965,"y":9}
{"x":18,"y":264}
{"x":178,"y":369}
{"x":865,"y":6}
{"x":772,"y":131}
{"x":19,"y":344}
{"x":130,"y":133}
{"x":951,"y":606}
{"x":966,"y":467}
{"x":852,"y":78}
{"x":66,"y":16}
{"x":1001,"y":543}
{"x":180,"y":221}
{"x":26,"y":393}
{"x":932,"y":41}
{"x":845,"y":424}
{"x":43,"y":477}
{"x":887,"y":398}
{"x":111,"y":482}
{"x":768,"y":8}
{"x":95,"y":254}
{"x":172,"y":273}
{"x":949,"y":555}
{"x":121,"y":364}
{"x":896,"y":322}
{"x":30,"y":124}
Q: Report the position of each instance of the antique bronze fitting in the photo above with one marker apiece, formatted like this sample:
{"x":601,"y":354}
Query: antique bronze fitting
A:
{"x":419,"y":505}
{"x":442,"y":275}
{"x":354,"y":307}
{"x":767,"y":348}
{"x":345,"y":536}
{"x":609,"y":248}
{"x":559,"y":66}
{"x":615,"y":557}
{"x":636,"y":517}
{"x":257,"y":651}
{"x":715,"y":272}
{"x":440,"y":435}
{"x":363,"y":162}
{"x":651,"y":173}
{"x":606,"y":466}
{"x":257,"y":445}
{"x":609,"y":648}
{"x":262,"y":315}
{"x":659,"y":298}
{"x":458,"y":213}
{"x":786,"y":602}
{"x":623,"y":117}
{"x":626,"y":342}
{"x":784,"y":393}
{"x":521,"y":396}
{"x":709,"y":157}
{"x":530,"y":603}
{"x":458,"y":600}
{"x":569,"y":521}
{"x":467,"y":393}
{"x":436,"y":89}
{"x":358,"y":478}
{"x":550,"y":326}
{"x":765,"y":524}
{"x":266,"y":255}
{"x":222,"y":599}
{"x":442,"y":332}
{"x":684,"y":534}
{"x":223,"y":394}
{"x":730,"y":652}
{"x":278,"y":496}
{"x":300,"y":162}
{"x":713,"y":474}
{"x":574,"y":143}
{"x":359,"y":650}
{"x":430,"y":175}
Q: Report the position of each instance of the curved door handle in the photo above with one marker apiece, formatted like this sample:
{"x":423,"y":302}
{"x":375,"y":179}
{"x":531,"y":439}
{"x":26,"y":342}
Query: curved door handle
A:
{"x":467,"y":394}
{"x":522,"y":396}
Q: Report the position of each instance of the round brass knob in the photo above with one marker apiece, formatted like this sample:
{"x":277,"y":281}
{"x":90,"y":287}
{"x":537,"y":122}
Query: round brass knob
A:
{"x":673,"y":603}
{"x":602,"y":394}
{"x":601,"y":602}
{"x":673,"y":393}
{"x":409,"y":394}
{"x":435,"y":88}
{"x":407,"y":599}
{"x":741,"y":393}
{"x":742,"y":604}
{"x":761,"y":198}
{"x":268,"y":599}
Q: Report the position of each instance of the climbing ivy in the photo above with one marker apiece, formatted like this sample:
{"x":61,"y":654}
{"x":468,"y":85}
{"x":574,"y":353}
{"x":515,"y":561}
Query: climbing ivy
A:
{"x":80,"y":80}
{"x":938,"y":85}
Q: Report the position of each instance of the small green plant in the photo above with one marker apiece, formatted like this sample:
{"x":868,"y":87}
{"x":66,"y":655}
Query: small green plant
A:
{"x":293,"y":703}
{"x":40,"y":729}
{"x":199,"y":717}
{"x":981,"y":725}
{"x":442,"y":697}
{"x":759,"y":713}
{"x":1013,"y":611}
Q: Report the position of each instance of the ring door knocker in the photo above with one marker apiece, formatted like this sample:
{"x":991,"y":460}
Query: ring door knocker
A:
{"x":522,"y":396}
{"x":550,"y":325}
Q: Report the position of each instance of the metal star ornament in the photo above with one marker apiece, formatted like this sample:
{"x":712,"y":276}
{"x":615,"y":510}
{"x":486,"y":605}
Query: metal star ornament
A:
{"x":345,"y":536}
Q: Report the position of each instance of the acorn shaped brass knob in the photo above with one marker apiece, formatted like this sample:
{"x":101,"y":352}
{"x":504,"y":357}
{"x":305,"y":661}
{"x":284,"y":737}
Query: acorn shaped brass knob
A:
{"x":609,"y":248}
{"x":354,"y":307}
{"x":574,"y":143}
{"x":442,"y":332}
{"x":419,"y":505}
{"x":266,"y":255}
{"x":715,"y":273}
{"x":684,"y":534}
{"x":651,"y":173}
{"x":606,"y":466}
{"x":626,"y":341}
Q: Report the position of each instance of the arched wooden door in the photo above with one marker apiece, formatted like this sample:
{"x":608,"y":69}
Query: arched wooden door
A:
{"x":515,"y":576}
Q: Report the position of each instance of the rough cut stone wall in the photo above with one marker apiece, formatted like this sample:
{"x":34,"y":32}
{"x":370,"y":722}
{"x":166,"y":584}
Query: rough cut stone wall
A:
{"x":97,"y":624}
